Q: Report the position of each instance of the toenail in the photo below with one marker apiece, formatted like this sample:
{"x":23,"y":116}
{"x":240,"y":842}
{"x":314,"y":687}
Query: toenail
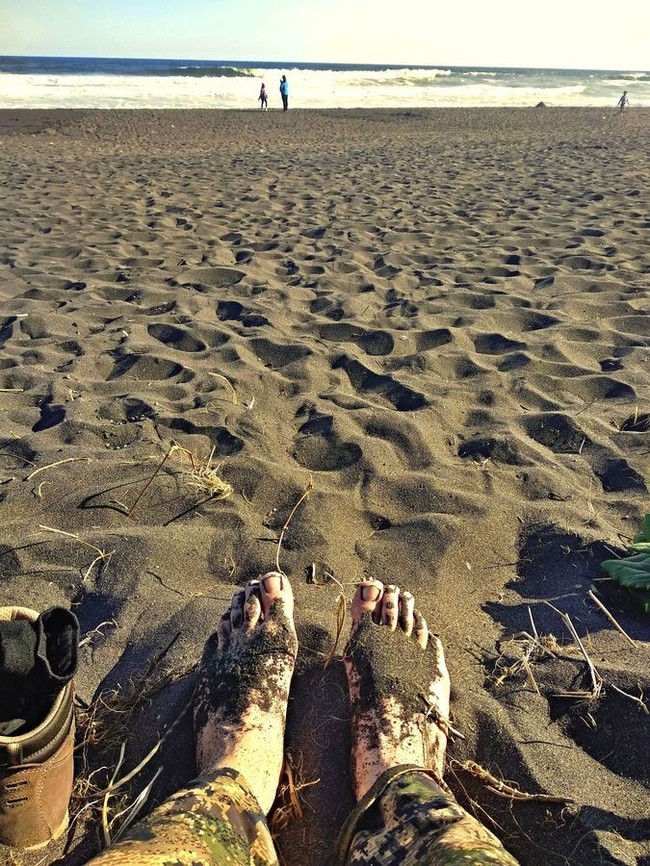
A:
{"x":274,"y":576}
{"x":370,"y":593}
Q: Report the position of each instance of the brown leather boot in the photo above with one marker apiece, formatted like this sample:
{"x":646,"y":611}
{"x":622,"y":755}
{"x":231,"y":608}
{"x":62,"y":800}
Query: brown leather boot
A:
{"x":36,"y":770}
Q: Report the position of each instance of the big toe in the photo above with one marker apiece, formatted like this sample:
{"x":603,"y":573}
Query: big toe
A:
{"x":367,"y":599}
{"x":275,"y":593}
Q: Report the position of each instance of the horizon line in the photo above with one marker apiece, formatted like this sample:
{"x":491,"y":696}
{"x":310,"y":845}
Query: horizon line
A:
{"x":298,"y":63}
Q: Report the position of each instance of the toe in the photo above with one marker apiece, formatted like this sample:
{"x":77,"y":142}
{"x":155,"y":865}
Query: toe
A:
{"x":406,"y":607}
{"x":389,"y":606}
{"x":274,"y":588}
{"x":252,"y":605}
{"x":237,"y":609}
{"x":421,"y":629}
{"x":367,"y":599}
{"x":223,"y":630}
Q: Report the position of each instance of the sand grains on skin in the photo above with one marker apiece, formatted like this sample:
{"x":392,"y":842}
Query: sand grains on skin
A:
{"x":399,"y":686}
{"x":243,"y":686}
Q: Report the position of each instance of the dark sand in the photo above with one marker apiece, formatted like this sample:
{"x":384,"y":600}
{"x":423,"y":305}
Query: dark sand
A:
{"x":440,"y":318}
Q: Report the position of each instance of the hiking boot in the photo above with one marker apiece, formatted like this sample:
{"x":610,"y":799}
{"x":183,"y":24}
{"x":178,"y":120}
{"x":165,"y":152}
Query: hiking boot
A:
{"x":36,"y":765}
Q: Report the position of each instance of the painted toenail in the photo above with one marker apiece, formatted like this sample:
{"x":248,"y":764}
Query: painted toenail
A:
{"x":370,"y":593}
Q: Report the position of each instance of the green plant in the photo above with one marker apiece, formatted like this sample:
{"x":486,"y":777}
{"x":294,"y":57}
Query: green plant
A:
{"x":633,"y":572}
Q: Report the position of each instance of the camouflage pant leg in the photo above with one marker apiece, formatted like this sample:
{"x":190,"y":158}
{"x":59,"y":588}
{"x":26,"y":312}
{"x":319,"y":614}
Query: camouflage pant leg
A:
{"x":215,"y":822}
{"x":413,"y":821}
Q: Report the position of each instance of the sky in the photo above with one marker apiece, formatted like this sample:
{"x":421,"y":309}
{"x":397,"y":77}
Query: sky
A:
{"x":577,"y":34}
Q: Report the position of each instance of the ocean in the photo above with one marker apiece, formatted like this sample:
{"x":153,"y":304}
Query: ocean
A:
{"x":77,"y":82}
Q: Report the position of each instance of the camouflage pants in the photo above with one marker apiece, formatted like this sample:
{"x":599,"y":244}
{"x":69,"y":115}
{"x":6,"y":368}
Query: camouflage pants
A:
{"x":406,"y":819}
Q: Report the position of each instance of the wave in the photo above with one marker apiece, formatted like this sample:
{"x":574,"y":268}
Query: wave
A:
{"x":206,"y":72}
{"x":105,"y":83}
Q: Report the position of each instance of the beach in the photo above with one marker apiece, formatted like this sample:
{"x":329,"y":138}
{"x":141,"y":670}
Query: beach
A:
{"x":413,"y":345}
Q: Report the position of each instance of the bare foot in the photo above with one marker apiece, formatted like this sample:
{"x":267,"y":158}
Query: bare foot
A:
{"x":399,"y":686}
{"x":243,"y":687}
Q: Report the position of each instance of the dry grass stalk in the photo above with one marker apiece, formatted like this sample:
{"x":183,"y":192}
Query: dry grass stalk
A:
{"x":289,"y":805}
{"x":204,"y":475}
{"x":105,"y":724}
{"x":642,"y":704}
{"x":102,"y":555}
{"x":107,"y":721}
{"x":527,"y":647}
{"x":235,"y":397}
{"x":97,"y":630}
{"x":506,"y":789}
{"x":17,"y":457}
{"x":12,"y":390}
{"x":115,"y":784}
{"x":146,"y":486}
{"x":38,"y":491}
{"x":131,"y":812}
{"x":310,"y":486}
{"x":57,"y":463}
{"x":201,"y":474}
{"x":596,"y":679}
{"x":441,"y":721}
{"x":529,"y":675}
{"x":611,"y":618}
{"x":341,"y":608}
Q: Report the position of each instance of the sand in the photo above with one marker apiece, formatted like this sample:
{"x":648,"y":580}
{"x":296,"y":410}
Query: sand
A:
{"x":435,"y":323}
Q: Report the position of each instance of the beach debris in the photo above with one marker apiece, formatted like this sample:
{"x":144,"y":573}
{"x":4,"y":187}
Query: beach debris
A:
{"x":508,"y":790}
{"x":288,"y":806}
{"x":204,"y":475}
{"x":341,"y":613}
{"x":528,"y":647}
{"x":102,"y":555}
{"x":90,"y":637}
{"x":104,"y":724}
{"x":310,"y":486}
{"x":235,"y":398}
{"x":52,"y":466}
{"x":610,"y":617}
{"x":637,"y":422}
{"x":596,"y":679}
{"x":433,"y":713}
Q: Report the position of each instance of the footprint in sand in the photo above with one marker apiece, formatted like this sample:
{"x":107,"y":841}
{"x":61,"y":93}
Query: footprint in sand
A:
{"x":149,"y":368}
{"x":176,"y":338}
{"x":371,"y":342}
{"x":365,"y":381}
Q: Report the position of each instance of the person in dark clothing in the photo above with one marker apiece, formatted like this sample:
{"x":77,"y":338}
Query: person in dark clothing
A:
{"x":284,"y":92}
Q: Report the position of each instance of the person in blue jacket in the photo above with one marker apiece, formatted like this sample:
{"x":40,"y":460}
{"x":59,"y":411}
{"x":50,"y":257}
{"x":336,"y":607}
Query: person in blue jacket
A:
{"x":284,"y":92}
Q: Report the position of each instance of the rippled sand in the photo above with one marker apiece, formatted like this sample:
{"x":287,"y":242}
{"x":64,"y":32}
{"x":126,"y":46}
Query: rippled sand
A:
{"x":439,"y":319}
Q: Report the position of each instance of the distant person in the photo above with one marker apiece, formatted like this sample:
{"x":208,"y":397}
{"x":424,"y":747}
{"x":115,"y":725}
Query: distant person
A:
{"x":263,"y":98}
{"x":623,"y":102}
{"x":284,"y":92}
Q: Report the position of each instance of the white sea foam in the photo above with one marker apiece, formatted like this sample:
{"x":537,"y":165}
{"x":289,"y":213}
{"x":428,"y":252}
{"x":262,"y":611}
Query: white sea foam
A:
{"x":324,"y":88}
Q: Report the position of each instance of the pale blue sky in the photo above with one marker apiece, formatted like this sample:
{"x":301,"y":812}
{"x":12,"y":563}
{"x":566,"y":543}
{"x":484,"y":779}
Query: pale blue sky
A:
{"x":557,"y":33}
